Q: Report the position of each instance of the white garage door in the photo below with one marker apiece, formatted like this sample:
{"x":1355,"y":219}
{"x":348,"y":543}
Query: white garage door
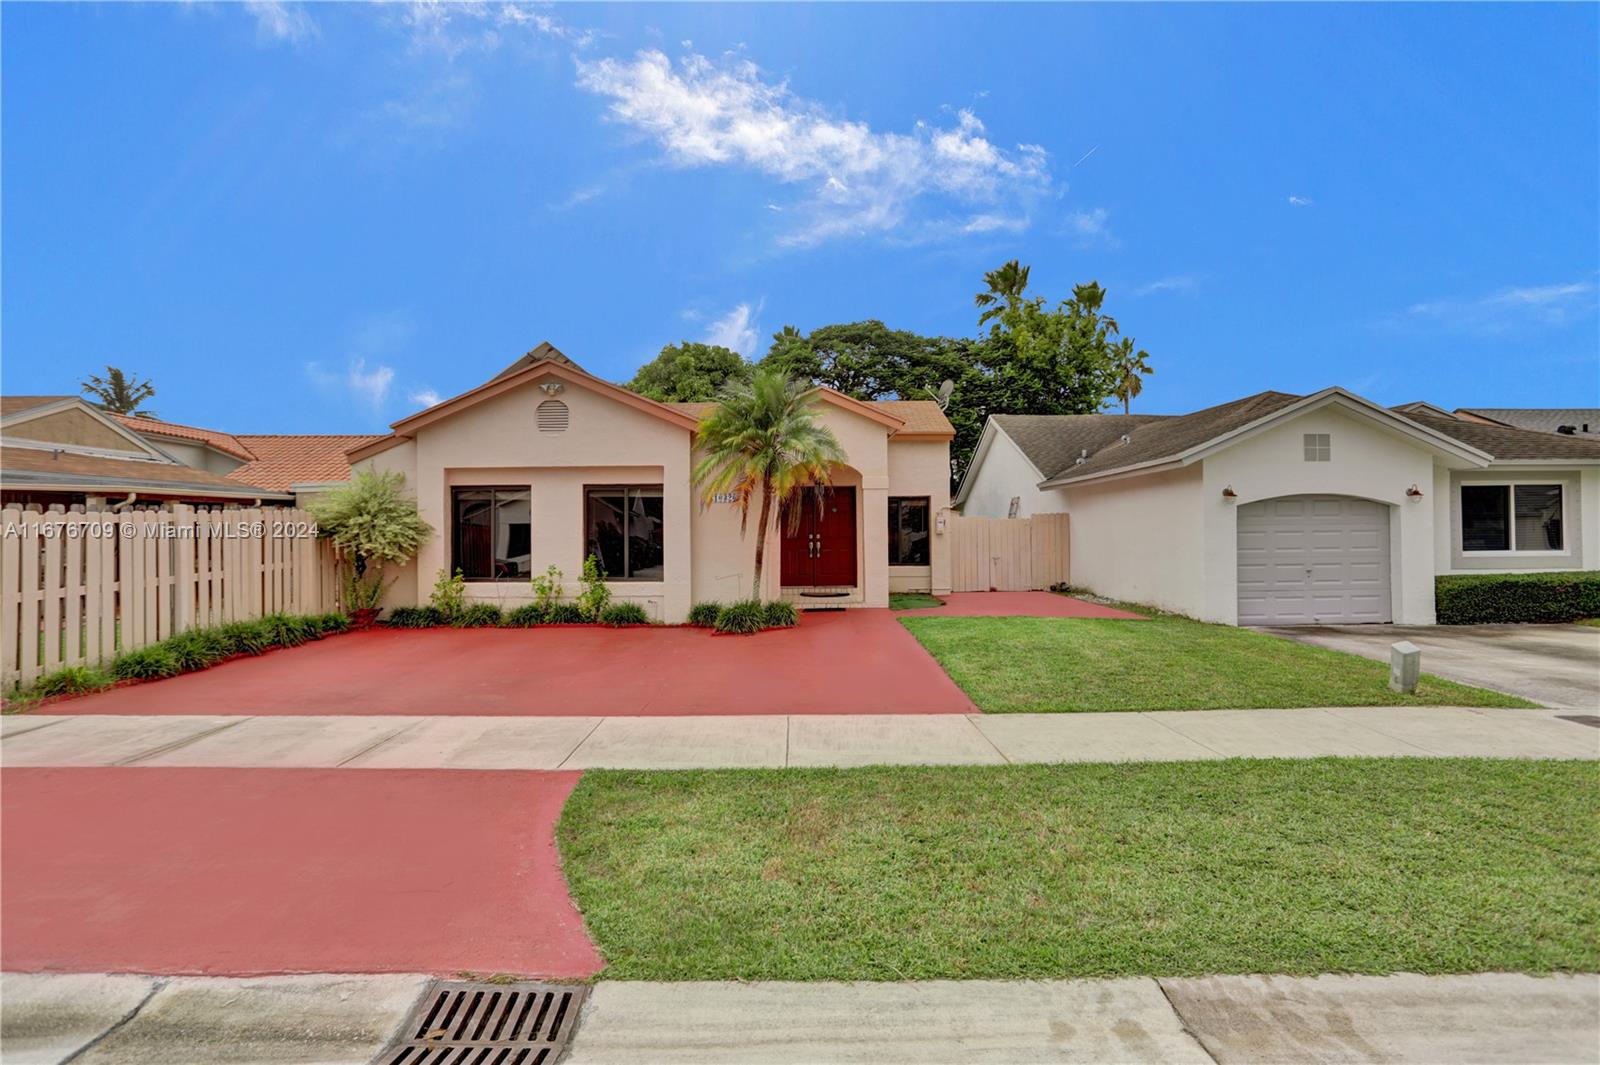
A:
{"x":1307,"y":560}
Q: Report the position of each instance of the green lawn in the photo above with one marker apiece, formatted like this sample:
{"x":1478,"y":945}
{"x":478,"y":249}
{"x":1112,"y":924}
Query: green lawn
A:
{"x":1015,"y":665}
{"x":1588,"y":621}
{"x":913,"y":600}
{"x":1275,"y":866}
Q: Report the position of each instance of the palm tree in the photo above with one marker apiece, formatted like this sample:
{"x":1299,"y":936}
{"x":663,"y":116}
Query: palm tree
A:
{"x":1006,"y":286}
{"x":119,"y":393}
{"x":763,"y":436}
{"x":1130,"y":369}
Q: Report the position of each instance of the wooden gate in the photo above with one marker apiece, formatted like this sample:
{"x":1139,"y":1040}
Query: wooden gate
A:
{"x":1008,"y":554}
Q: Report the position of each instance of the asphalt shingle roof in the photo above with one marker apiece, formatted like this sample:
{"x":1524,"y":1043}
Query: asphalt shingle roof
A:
{"x":1506,"y":444}
{"x":1053,"y":442}
{"x":1540,"y":419}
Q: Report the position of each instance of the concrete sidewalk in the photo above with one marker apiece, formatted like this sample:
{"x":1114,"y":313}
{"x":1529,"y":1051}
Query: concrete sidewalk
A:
{"x":776,"y":741}
{"x":331,"y":1019}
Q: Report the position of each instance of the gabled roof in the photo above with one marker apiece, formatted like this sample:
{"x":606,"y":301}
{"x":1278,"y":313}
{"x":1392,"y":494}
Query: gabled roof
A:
{"x":1514,"y":445}
{"x":16,"y":411}
{"x":279,"y":461}
{"x":47,"y":468}
{"x":10,"y":405}
{"x":224,"y":442}
{"x":1537,"y":419}
{"x":1052,"y":442}
{"x":545,"y":352}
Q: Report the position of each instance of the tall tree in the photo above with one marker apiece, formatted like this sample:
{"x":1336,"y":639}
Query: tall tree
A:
{"x":1131,"y":370}
{"x":1006,"y":286}
{"x":119,"y":393}
{"x":689,"y":373}
{"x":764,"y":437}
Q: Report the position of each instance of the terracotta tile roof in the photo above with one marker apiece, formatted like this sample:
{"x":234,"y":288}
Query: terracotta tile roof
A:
{"x":920,"y":415}
{"x":10,"y":405}
{"x":39,"y":467}
{"x":279,"y":461}
{"x":225,"y":442}
{"x":1505,"y":443}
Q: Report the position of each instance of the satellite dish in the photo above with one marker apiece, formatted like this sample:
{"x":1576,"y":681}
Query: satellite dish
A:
{"x":942,"y":397}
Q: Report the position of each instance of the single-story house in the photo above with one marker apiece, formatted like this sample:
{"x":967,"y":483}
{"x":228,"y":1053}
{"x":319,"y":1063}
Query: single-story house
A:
{"x":545,"y":464}
{"x":1293,"y":509}
{"x":64,"y":450}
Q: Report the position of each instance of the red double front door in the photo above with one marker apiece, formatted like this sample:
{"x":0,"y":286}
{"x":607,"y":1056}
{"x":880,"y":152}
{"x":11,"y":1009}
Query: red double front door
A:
{"x":819,"y":549}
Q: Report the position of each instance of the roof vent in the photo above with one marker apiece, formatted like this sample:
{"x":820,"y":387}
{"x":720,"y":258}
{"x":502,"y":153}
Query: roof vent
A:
{"x":1126,"y":439}
{"x":551,"y":417}
{"x":1567,"y":430}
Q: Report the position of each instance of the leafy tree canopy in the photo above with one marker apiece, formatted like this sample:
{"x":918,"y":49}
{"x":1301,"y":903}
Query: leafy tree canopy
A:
{"x":371,"y":520}
{"x":118,"y":393}
{"x":689,"y":373}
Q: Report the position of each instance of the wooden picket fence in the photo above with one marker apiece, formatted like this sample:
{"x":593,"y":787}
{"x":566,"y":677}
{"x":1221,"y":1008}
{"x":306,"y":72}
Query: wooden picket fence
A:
{"x":1008,"y":554}
{"x":79,"y":587}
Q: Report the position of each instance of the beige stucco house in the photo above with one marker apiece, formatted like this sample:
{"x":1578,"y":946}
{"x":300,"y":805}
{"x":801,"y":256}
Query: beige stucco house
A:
{"x":545,"y":464}
{"x":1289,"y":509}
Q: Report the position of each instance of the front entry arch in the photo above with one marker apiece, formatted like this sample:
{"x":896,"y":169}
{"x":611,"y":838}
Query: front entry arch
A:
{"x":819,"y":543}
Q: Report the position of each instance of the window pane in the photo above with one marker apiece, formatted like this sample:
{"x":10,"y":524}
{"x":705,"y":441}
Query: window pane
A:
{"x":646,"y":551}
{"x":474,"y":547}
{"x":512,"y":549}
{"x":1538,"y":516}
{"x":908,"y":532}
{"x":605,"y":529}
{"x":1483,"y":517}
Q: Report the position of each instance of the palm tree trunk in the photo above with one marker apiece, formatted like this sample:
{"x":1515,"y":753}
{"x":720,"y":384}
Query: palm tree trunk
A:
{"x":761,"y":534}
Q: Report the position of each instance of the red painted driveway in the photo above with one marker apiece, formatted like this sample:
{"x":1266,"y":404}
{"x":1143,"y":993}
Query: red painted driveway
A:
{"x":1018,"y":605}
{"x":222,"y":871}
{"x":850,"y":662}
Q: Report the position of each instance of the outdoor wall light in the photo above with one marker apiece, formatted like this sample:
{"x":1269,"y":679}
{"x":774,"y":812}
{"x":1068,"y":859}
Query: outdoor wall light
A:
{"x":1414,"y":492}
{"x":1229,"y":495}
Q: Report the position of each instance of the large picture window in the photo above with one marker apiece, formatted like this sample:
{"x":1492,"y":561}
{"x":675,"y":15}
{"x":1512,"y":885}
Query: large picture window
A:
{"x":908,"y":530}
{"x":490,"y":538}
{"x":1512,"y":517}
{"x":623,"y":527}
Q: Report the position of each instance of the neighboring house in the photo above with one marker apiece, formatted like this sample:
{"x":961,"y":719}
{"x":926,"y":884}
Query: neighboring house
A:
{"x":1286,"y":509}
{"x":546,"y":464}
{"x":60,"y":449}
{"x":1568,"y":421}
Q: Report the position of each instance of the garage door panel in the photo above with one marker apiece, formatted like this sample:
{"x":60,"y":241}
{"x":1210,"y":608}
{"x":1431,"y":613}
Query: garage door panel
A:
{"x":1313,"y":559}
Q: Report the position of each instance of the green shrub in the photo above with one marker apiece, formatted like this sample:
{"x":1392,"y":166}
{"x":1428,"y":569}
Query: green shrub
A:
{"x":291,"y":630}
{"x":527,"y":616}
{"x":547,"y":589}
{"x":566,"y":614}
{"x":414,"y":617}
{"x":782,"y":615}
{"x":333,"y":622}
{"x":704,"y":615}
{"x":147,"y":663}
{"x":198,"y":648}
{"x":1493,"y":598}
{"x":596,"y":595}
{"x":744,"y":617}
{"x":449,"y":596}
{"x":477,"y":616}
{"x":246,"y":637}
{"x":619,"y":614}
{"x":70,"y":681}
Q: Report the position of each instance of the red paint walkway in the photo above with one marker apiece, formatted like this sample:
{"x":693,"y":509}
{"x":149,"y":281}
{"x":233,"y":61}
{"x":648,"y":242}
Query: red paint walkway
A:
{"x":851,"y":662}
{"x":218,"y":871}
{"x":1018,"y":605}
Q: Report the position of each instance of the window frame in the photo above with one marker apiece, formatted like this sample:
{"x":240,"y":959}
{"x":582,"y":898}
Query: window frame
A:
{"x":455,"y":530}
{"x":927,"y":506}
{"x":1319,"y":451}
{"x":1510,"y":487}
{"x":583,"y":534}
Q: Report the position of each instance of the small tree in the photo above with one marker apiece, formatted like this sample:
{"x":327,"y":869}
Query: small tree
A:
{"x":1131,"y":370}
{"x":371,"y":523}
{"x":119,"y":393}
{"x":764,"y":437}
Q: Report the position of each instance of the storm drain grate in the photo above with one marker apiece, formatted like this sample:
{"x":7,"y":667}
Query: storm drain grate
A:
{"x":457,"y":1023}
{"x":1592,"y":720}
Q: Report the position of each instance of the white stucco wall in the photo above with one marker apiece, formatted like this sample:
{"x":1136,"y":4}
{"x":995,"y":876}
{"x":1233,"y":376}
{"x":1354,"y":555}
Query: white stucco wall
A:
{"x":1140,"y":539}
{"x":1367,"y":462}
{"x":922,"y":468}
{"x":1004,"y":473}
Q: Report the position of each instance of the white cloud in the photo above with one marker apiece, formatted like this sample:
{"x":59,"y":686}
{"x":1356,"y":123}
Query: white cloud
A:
{"x":1174,"y":283}
{"x":279,"y":21}
{"x":453,"y":27}
{"x":1506,"y":311}
{"x":861,"y":181}
{"x":578,"y":197}
{"x":1090,"y":227}
{"x":424,"y":397}
{"x":1300,"y":201}
{"x":369,"y":387}
{"x":990,"y":223}
{"x":737,"y":330}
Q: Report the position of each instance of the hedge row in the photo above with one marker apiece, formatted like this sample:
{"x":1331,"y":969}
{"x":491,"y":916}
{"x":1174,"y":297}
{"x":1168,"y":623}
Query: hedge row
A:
{"x":487,"y":615}
{"x":1493,"y":598}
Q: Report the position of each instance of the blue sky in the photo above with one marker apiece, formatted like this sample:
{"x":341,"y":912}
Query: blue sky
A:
{"x":314,"y":218}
